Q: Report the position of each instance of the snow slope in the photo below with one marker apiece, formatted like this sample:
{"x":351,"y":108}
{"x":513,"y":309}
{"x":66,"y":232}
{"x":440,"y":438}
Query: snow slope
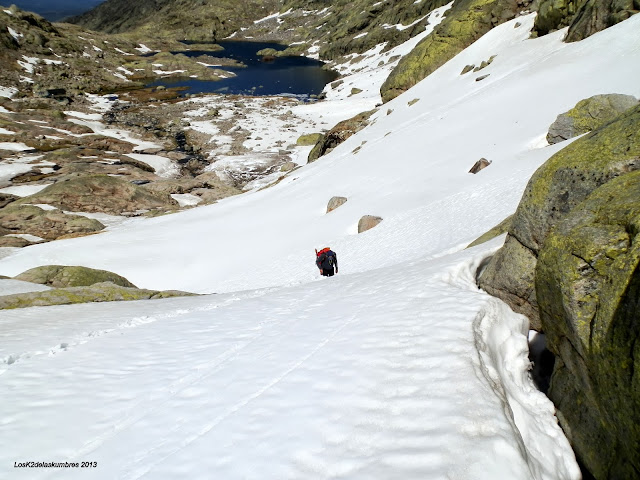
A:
{"x":399,"y":367}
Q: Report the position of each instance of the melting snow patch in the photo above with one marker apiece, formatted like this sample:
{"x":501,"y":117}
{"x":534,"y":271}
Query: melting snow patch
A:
{"x":162,"y":165}
{"x":172,"y":72}
{"x":26,"y":236}
{"x":7,"y":92}
{"x":122,"y":51}
{"x":14,"y":146}
{"x":15,"y":34}
{"x":24,"y":190}
{"x":186,"y":199}
{"x":4,"y":131}
{"x":143,"y":48}
{"x":29,"y":63}
{"x":86,"y":116}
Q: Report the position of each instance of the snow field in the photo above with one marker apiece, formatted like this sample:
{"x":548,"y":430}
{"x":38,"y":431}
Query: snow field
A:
{"x":399,"y":367}
{"x":375,"y":384}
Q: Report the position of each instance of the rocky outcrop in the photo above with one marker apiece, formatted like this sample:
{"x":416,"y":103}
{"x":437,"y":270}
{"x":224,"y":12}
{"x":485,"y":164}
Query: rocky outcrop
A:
{"x":571,"y":263}
{"x":588,"y":289}
{"x":583,"y":17}
{"x":466,"y":21}
{"x":588,"y":115}
{"x":61,"y":276}
{"x":198,"y":20}
{"x":596,"y":15}
{"x":47,"y":224}
{"x":308,"y":139}
{"x":335,"y":202}
{"x":367,"y":222}
{"x":563,"y":182}
{"x":339,"y":134}
{"x":101,"y":193}
{"x":555,"y":14}
{"x":99,"y":292}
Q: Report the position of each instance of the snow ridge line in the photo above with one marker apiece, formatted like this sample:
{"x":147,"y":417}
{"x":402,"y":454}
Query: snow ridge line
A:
{"x":500,"y":337}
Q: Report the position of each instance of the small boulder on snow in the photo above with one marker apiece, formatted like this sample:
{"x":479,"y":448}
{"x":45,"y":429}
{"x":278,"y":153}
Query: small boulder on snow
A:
{"x":479,"y":165}
{"x":367,"y":222}
{"x":335,"y":202}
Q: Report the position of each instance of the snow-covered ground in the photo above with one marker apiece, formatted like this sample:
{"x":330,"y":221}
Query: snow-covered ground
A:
{"x":399,"y":367}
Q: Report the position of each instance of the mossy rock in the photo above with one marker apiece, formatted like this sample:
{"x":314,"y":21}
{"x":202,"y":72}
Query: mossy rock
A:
{"x":465,"y":23}
{"x":100,"y":193}
{"x":589,"y":114}
{"x":60,"y":276}
{"x":47,"y":224}
{"x":555,"y":14}
{"x":308,"y":139}
{"x":501,"y":228}
{"x":588,"y":289}
{"x":338,"y":134}
{"x":99,"y":292}
{"x":583,"y":17}
{"x":554,"y":190}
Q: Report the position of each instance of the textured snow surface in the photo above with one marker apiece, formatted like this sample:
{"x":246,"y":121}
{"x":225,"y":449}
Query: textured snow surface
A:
{"x":398,"y":367}
{"x":275,"y":383}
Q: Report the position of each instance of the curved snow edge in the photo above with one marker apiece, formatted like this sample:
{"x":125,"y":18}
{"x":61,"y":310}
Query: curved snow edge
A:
{"x":500,"y":337}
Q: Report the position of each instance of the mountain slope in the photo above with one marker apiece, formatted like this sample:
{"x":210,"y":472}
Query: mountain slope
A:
{"x":396,"y":368}
{"x":203,"y":20}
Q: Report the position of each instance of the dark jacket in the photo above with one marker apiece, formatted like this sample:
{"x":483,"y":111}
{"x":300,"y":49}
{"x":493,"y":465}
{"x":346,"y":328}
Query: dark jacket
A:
{"x":327,"y":261}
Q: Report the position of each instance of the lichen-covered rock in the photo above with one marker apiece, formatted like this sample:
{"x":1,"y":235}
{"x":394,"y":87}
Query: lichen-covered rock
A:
{"x":589,"y":114}
{"x":584,"y":17}
{"x":367,"y":222}
{"x":47,"y":224}
{"x":335,"y":202}
{"x":16,"y":242}
{"x":339,"y":134}
{"x":100,"y":193}
{"x":596,"y":15}
{"x":588,"y":289}
{"x":563,"y":182}
{"x":99,"y":292}
{"x":555,"y":14}
{"x":61,"y":276}
{"x":466,"y":21}
{"x":308,"y":139}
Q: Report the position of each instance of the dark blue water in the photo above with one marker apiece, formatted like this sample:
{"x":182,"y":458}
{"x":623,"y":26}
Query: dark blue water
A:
{"x":55,"y":10}
{"x":299,"y":76}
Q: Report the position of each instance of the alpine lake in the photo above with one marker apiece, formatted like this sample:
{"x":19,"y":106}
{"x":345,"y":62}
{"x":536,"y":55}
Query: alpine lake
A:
{"x":296,"y":76}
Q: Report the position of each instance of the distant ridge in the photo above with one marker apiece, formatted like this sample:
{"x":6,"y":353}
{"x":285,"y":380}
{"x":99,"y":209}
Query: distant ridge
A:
{"x":199,"y":20}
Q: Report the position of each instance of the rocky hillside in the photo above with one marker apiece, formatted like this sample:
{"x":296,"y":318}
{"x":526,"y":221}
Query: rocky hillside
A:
{"x":201,"y":20}
{"x":44,"y":59}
